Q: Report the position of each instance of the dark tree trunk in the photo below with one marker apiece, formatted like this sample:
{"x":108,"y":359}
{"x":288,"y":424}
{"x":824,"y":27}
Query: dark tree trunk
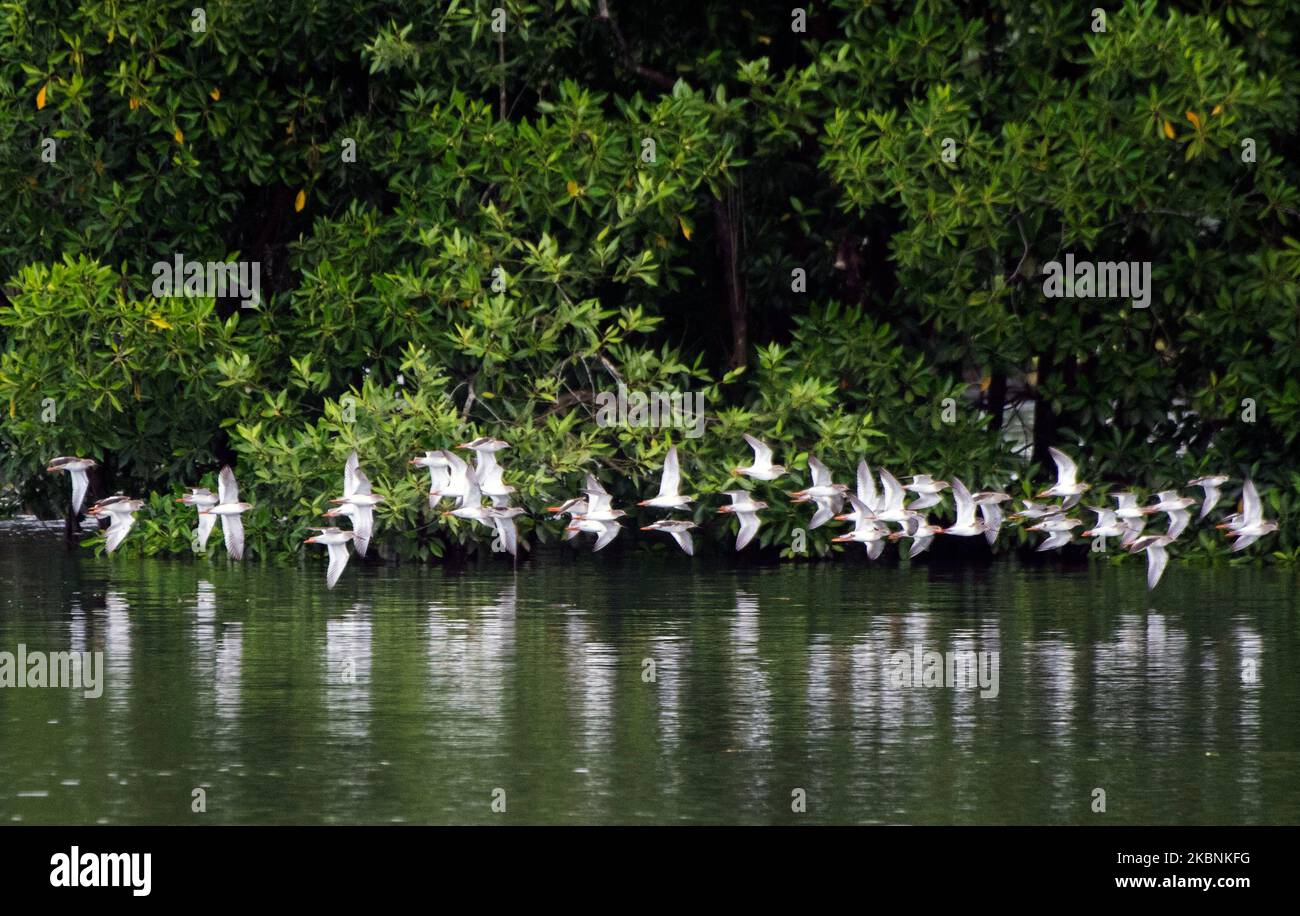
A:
{"x":996,"y":400}
{"x":728,"y":245}
{"x":1044,"y":417}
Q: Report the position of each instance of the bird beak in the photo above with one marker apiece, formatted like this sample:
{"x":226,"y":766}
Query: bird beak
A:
{"x":310,"y":540}
{"x":842,"y":537}
{"x":643,"y":503}
{"x":571,"y":528}
{"x":842,"y":518}
{"x":648,"y":528}
{"x":724,"y":509}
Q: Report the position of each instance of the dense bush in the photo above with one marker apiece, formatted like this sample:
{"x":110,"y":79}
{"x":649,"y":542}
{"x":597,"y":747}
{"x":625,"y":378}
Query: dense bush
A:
{"x":502,"y":245}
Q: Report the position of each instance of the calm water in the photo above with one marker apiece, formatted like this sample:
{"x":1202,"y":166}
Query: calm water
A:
{"x":411,"y":695}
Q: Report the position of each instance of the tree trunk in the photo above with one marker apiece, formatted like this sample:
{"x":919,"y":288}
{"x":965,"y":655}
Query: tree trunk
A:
{"x":728,"y":245}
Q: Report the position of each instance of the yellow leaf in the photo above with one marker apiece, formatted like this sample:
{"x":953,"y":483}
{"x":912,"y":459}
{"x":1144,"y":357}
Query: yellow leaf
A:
{"x":1195,"y":119}
{"x":11,"y":409}
{"x":215,"y":94}
{"x":985,"y":382}
{"x":1160,"y":346}
{"x":300,"y":201}
{"x":764,"y":40}
{"x":1169,"y":131}
{"x":160,"y":322}
{"x":134,"y":103}
{"x":572,"y":187}
{"x":1218,"y":110}
{"x":686,"y":228}
{"x":40,"y":97}
{"x":179,"y":136}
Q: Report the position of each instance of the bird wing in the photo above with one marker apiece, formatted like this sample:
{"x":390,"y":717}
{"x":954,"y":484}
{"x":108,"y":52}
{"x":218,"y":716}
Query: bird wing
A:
{"x":1126,"y":500}
{"x":79,"y":484}
{"x":486,"y":468}
{"x":118,"y":527}
{"x":598,"y":503}
{"x":1243,"y":541}
{"x":762,"y":452}
{"x":457,"y":464}
{"x":1211,"y":498}
{"x":227,"y":488}
{"x":861,"y":509}
{"x":1178,"y":520}
{"x":509,"y":533}
{"x":350,"y":469}
{"x":683,"y":539}
{"x":1055,"y":540}
{"x":821,"y":475}
{"x":232,"y":528}
{"x":1066,"y":471}
{"x":672,"y":475}
{"x":206,"y":521}
{"x":894,"y":494}
{"x":866,"y":485}
{"x":965,"y":504}
{"x":875,"y":548}
{"x":1251,"y":510}
{"x":1102,"y":515}
{"x":1157,"y":559}
{"x":363,"y":524}
{"x":749,"y":523}
{"x":608,"y":531}
{"x":338,"y":560}
{"x":992,"y":515}
{"x":823,"y":514}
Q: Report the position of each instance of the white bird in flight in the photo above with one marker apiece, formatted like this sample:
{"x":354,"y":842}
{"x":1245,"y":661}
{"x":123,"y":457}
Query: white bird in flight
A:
{"x":121,"y":516}
{"x":201,"y":498}
{"x":336,"y":541}
{"x":229,"y":509}
{"x":762,"y":467}
{"x":866,"y":529}
{"x":745,"y":508}
{"x":1211,"y":486}
{"x":990,"y":506}
{"x":1057,"y":530}
{"x":827,"y":495}
{"x":76,"y":468}
{"x":670,"y":482}
{"x":439,"y":473}
{"x":357,"y":503}
{"x":1067,"y":484}
{"x":680,"y":530}
{"x":1249,"y":525}
{"x":1157,"y":555}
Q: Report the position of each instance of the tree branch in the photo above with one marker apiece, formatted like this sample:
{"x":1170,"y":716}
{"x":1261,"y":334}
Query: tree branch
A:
{"x":663,"y":80}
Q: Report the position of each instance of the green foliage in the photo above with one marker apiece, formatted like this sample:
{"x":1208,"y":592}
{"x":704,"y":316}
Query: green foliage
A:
{"x":504,"y":247}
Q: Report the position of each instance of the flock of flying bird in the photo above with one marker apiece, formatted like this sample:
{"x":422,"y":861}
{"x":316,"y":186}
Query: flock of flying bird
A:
{"x":872,"y":510}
